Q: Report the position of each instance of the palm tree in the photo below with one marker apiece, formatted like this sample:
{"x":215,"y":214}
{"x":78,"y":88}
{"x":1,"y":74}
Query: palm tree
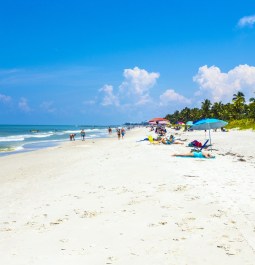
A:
{"x":251,"y":108}
{"x":195,"y":114}
{"x":239,"y":96}
{"x":239,"y":105}
{"x":185,"y":114}
{"x":217,"y":109}
{"x":206,"y":108}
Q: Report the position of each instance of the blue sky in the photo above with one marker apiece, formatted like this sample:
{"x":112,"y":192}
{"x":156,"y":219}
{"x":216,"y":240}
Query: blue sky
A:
{"x":110,"y":62}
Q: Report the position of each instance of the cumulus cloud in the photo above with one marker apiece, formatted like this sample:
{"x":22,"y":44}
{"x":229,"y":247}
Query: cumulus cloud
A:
{"x":170,"y":96}
{"x":221,"y":86}
{"x":138,"y":81}
{"x":109,"y":97}
{"x":23,"y":105}
{"x":134,"y":90}
{"x":5,"y":99}
{"x":246,"y":21}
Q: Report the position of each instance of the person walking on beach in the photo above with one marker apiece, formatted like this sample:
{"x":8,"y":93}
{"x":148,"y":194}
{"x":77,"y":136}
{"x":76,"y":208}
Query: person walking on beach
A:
{"x":123,"y":132}
{"x":118,"y":133}
{"x":83,"y":135}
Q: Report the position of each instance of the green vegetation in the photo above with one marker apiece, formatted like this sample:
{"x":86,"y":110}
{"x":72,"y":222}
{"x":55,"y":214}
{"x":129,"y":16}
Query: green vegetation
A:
{"x":243,"y":124}
{"x":238,"y":113}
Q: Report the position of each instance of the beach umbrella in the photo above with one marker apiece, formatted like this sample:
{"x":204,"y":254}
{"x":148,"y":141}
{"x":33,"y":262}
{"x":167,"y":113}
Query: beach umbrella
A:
{"x":164,"y":122}
{"x":159,"y":121}
{"x":180,"y":123}
{"x":208,"y":124}
{"x":189,"y":123}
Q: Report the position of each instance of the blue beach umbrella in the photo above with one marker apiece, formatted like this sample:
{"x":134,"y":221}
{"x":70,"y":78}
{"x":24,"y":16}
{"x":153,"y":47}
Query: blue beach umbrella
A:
{"x":189,"y":123}
{"x":208,"y":124}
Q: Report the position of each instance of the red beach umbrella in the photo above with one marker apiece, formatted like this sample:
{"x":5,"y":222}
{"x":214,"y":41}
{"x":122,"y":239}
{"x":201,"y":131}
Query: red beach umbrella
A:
{"x":159,"y":120}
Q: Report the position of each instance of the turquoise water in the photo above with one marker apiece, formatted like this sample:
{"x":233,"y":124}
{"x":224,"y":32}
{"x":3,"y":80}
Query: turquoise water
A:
{"x":24,"y":138}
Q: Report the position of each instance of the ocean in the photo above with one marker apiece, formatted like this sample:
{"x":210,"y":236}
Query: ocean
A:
{"x":25,"y":138}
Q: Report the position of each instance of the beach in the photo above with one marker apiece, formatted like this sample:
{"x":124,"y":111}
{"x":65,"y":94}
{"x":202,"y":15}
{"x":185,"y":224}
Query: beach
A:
{"x":110,"y":201}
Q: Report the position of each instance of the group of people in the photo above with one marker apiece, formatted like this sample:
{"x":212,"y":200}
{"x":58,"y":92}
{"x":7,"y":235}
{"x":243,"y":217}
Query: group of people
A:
{"x":72,"y":136}
{"x":167,"y":140}
{"x":120,"y":132}
{"x":171,"y":140}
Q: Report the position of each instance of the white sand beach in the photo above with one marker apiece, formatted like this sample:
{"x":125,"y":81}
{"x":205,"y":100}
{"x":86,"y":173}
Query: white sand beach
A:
{"x":126,"y":202}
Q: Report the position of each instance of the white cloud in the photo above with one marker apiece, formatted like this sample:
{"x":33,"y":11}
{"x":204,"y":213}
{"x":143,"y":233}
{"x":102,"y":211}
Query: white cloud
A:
{"x":5,"y":99}
{"x":143,"y":100}
{"x":47,"y":106}
{"x":109,"y":97}
{"x":246,"y":21}
{"x":134,"y":90}
{"x":138,"y":81}
{"x":23,"y":105}
{"x":171,"y":96}
{"x":137,"y":84}
{"x":221,"y":86}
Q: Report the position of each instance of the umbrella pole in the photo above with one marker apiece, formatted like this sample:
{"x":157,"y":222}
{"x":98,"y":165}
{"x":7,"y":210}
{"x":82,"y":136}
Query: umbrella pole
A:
{"x":210,"y":139}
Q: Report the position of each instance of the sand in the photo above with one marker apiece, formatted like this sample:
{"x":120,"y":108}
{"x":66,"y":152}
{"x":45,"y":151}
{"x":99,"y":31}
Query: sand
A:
{"x":126,"y":202}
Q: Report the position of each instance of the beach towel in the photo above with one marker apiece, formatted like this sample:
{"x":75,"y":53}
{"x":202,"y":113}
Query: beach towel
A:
{"x":197,"y":157}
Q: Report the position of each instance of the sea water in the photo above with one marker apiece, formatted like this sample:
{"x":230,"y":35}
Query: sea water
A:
{"x":24,"y":138}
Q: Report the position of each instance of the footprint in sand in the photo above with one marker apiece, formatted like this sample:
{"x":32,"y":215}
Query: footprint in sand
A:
{"x":86,"y":214}
{"x":181,"y":188}
{"x":158,"y":224}
{"x":57,"y":222}
{"x":110,"y":260}
{"x":5,"y":229}
{"x":228,"y":250}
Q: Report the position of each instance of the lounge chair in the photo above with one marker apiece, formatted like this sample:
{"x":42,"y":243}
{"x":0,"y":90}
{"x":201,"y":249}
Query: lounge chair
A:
{"x":152,"y":141}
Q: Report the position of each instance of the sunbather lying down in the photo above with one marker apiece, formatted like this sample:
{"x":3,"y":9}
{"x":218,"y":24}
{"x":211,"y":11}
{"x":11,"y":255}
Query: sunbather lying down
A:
{"x":196,"y":154}
{"x":170,"y":140}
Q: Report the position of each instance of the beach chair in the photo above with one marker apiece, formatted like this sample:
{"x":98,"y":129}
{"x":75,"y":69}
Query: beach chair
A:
{"x":151,"y":140}
{"x":199,"y":149}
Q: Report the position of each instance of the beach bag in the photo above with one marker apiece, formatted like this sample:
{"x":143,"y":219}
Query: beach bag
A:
{"x":196,"y":143}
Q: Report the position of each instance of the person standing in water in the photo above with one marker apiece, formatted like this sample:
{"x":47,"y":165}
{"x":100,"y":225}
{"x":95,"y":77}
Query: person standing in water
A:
{"x":83,"y":135}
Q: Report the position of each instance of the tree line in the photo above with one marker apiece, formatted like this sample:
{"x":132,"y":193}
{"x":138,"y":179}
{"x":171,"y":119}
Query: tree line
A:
{"x":238,"y":109}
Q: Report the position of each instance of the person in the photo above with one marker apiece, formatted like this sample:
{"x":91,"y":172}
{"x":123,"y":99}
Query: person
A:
{"x":71,"y":136}
{"x":83,"y":135}
{"x":118,"y":133}
{"x":110,"y":130}
{"x":173,"y":141}
{"x":197,"y":154}
{"x":223,"y":129}
{"x":123,"y":132}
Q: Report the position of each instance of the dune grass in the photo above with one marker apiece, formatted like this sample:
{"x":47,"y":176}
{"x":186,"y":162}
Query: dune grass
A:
{"x":243,"y":124}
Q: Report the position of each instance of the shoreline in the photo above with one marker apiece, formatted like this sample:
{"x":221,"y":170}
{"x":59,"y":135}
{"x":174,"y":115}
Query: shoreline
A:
{"x":130,"y":201}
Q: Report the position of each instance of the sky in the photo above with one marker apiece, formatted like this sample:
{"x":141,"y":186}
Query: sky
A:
{"x":109,"y":62}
